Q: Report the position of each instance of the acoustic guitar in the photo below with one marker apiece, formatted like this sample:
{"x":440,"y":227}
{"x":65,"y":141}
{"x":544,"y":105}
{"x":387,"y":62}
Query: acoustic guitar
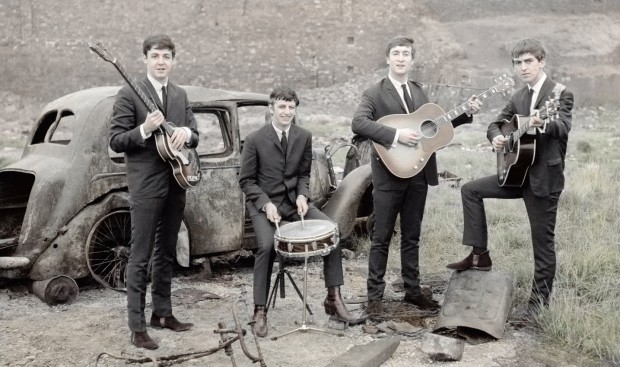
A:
{"x":185,"y":162}
{"x":518,"y":154}
{"x":435,"y":127}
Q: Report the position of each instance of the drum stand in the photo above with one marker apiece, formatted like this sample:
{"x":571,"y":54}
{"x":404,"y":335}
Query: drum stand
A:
{"x":304,"y":326}
{"x":280,"y":282}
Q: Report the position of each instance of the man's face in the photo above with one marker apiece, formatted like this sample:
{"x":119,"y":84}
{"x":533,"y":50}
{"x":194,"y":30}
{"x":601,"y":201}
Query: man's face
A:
{"x":400,"y":61}
{"x":283,"y":113}
{"x":529,"y":68}
{"x":159,"y":63}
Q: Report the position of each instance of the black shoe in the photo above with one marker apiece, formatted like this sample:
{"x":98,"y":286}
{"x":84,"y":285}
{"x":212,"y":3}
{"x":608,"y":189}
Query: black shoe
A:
{"x":169,"y":322}
{"x":374,"y":308}
{"x":260,"y":321}
{"x":421,"y":301}
{"x":473,"y":261}
{"x":141,"y":339}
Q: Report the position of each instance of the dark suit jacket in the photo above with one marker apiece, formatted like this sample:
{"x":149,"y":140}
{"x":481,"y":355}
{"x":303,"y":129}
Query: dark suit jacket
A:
{"x":147,"y":174}
{"x":266,"y":176}
{"x":380,"y":100}
{"x":546,"y":175}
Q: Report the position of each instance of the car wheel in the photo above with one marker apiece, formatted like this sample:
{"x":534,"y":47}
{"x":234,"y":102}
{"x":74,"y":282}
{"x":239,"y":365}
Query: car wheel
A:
{"x":108,"y":249}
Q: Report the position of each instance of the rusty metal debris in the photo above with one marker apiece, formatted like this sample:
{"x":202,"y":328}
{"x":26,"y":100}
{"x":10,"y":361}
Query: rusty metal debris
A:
{"x":226,"y":342}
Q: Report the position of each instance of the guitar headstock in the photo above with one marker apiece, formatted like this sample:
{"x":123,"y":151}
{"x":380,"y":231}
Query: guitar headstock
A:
{"x":551,"y":108}
{"x":504,"y":85}
{"x":98,"y":48}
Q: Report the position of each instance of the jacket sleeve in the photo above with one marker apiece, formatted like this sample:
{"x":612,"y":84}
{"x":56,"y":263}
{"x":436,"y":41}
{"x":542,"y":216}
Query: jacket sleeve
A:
{"x":305,"y":167}
{"x":190,"y":121}
{"x":364,"y":122}
{"x":248,"y":175}
{"x":560,"y":126}
{"x":124,"y":128}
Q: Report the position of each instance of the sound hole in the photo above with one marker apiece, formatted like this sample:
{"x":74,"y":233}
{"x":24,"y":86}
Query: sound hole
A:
{"x":428,"y":129}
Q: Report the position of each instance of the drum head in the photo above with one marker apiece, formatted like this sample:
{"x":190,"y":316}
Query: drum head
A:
{"x":312,"y":229}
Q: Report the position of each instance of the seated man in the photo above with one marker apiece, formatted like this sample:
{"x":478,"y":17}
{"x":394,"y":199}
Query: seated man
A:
{"x":275,"y":175}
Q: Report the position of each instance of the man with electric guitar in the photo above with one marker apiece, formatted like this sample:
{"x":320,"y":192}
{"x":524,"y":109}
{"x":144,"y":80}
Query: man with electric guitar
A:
{"x":383,"y":117}
{"x":529,"y":136}
{"x":157,"y":195}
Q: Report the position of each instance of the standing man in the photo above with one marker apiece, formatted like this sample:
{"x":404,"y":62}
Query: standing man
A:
{"x":392,"y":195}
{"x":274,"y":176}
{"x":544,"y":181}
{"x":157,"y":201}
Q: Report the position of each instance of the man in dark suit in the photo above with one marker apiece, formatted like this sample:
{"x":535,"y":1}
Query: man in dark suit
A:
{"x":157,"y":201}
{"x":275,"y":176}
{"x":544,"y":181}
{"x":392,"y":195}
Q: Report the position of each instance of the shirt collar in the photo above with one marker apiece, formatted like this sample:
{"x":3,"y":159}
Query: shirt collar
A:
{"x":278,"y":131}
{"x":398,"y":84}
{"x":156,"y":83}
{"x":536,"y":87}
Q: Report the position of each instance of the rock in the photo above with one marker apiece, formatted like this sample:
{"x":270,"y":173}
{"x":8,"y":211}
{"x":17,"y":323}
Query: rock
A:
{"x":442,"y":348}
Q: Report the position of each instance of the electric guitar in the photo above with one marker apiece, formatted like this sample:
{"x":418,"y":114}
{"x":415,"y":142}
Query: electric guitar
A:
{"x":519,"y":151}
{"x":185,"y":162}
{"x":435,"y":126}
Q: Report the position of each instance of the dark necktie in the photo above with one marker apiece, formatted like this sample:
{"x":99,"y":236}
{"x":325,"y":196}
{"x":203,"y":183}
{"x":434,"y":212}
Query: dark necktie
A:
{"x":529,"y":101}
{"x":407,"y":98}
{"x":284,"y":142}
{"x":164,"y":98}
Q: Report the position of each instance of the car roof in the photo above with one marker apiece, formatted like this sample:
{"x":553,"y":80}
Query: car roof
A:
{"x":86,"y":99}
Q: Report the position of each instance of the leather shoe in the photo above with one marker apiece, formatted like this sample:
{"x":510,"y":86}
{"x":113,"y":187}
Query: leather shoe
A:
{"x":141,"y":339}
{"x":335,"y":306}
{"x":169,"y":322}
{"x":260,"y":321}
{"x":374,"y":308}
{"x":473,"y":261}
{"x":421,"y":301}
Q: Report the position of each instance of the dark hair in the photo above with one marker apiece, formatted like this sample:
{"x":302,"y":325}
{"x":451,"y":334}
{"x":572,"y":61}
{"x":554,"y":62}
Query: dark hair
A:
{"x":400,"y":41}
{"x":528,"y":46}
{"x":160,"y":42}
{"x":283,"y":94}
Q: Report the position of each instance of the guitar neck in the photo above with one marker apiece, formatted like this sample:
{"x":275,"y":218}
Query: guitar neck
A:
{"x":462,"y":108}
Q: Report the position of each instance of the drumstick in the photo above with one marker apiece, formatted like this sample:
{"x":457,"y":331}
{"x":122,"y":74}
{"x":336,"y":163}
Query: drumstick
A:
{"x":303,"y":225}
{"x":277,"y":227}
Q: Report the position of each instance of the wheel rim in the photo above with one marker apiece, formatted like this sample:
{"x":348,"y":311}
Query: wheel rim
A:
{"x":108,"y":248}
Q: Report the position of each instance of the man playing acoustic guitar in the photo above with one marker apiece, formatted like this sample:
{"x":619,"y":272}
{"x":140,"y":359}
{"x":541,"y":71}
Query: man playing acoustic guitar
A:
{"x":393,"y":195}
{"x":542,"y":176}
{"x":157,"y":201}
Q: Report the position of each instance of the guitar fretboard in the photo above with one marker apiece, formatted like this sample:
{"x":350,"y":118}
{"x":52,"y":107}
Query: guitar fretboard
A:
{"x":462,"y":108}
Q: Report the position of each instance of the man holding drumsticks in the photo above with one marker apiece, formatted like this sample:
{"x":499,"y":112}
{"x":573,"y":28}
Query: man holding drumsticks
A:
{"x":275,"y":175}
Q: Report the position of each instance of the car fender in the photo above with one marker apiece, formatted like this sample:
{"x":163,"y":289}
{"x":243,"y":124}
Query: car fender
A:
{"x":343,"y":206}
{"x":67,"y":255}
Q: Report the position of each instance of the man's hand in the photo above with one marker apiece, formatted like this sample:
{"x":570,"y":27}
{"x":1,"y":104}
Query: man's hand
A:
{"x":498,"y":142}
{"x":153,"y":121}
{"x":473,"y":105}
{"x":408,"y":136}
{"x":535,"y":121}
{"x":302,"y":205}
{"x":178,"y":138}
{"x":272,"y":212}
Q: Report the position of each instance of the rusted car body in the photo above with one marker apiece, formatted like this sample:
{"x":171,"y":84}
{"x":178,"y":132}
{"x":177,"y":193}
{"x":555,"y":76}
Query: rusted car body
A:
{"x":64,"y":206}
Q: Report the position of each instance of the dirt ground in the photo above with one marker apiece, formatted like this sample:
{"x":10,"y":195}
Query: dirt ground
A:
{"x":35,"y":334}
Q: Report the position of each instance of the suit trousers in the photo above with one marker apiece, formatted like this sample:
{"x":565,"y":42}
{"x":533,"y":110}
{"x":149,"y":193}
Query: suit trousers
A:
{"x":266,"y":253}
{"x":409,"y":201}
{"x":542,"y":213}
{"x":155,"y":224}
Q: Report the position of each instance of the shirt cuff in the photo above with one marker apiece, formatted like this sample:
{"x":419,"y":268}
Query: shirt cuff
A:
{"x":396,"y":138}
{"x":188,"y":132}
{"x":144,"y":134}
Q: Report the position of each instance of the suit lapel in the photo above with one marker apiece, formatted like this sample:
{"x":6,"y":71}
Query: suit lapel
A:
{"x":150,"y":90}
{"x":272,"y":137}
{"x":389,"y":87}
{"x":545,"y":90}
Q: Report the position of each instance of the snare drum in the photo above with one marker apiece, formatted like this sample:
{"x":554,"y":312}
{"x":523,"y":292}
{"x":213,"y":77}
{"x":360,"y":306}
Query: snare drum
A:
{"x":319,"y":235}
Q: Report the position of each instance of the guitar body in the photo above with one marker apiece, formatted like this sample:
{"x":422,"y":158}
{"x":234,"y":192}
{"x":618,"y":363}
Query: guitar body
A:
{"x":518,"y":154}
{"x":404,"y":160}
{"x":185,"y":163}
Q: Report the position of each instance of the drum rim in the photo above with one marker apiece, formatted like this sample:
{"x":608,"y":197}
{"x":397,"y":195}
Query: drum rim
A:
{"x":329,"y":232}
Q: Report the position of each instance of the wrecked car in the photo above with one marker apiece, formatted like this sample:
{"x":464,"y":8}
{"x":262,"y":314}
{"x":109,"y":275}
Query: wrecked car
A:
{"x":64,"y":206}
